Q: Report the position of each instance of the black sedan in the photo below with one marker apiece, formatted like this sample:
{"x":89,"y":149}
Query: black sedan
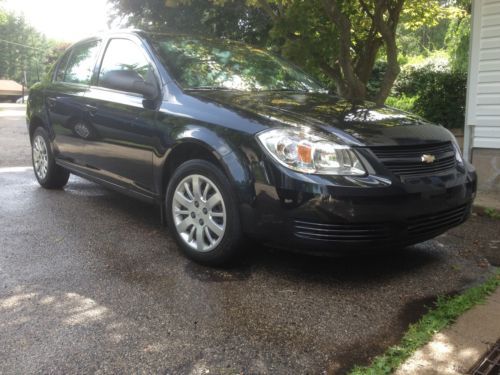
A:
{"x":234,"y":142}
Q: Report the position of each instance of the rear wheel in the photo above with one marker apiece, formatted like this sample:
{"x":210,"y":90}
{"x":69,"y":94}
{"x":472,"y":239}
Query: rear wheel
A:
{"x":202,"y":213}
{"x":47,"y":172}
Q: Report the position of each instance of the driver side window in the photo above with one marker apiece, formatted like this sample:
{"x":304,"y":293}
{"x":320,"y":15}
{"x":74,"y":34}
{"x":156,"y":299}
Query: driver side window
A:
{"x":124,"y":55}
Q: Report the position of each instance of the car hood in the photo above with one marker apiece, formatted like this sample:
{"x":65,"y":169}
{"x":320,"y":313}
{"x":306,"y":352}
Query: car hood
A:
{"x":354,"y":123}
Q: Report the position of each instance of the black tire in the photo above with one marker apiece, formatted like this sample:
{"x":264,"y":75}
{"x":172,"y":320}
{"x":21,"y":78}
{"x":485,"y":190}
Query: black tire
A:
{"x":229,"y":246}
{"x":55,"y":177}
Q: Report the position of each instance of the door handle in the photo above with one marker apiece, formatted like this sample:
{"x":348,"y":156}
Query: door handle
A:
{"x":51,"y":102}
{"x":91,"y":109}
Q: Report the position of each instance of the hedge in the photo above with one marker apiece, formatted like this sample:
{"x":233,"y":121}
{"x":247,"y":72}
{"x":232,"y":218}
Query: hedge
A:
{"x":437,"y":95}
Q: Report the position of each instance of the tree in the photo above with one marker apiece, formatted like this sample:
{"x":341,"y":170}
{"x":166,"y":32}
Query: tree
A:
{"x":338,"y":40}
{"x":458,"y":36}
{"x":235,"y":19}
{"x":342,"y":39}
{"x":447,"y":33}
{"x":23,"y":49}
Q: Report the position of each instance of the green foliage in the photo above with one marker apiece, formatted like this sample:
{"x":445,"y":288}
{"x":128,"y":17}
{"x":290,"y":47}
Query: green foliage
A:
{"x":422,"y":13}
{"x":441,"y":98}
{"x":457,"y":42}
{"x":438,"y":59}
{"x":307,"y":32}
{"x":376,"y":78}
{"x":24,"y":49}
{"x":306,"y":36}
{"x":413,"y":79}
{"x":424,"y":40}
{"x":231,"y":19}
{"x":437,"y":93}
{"x":448,"y":32}
{"x":492,"y":213}
{"x":403,"y":102}
{"x":445,"y":312}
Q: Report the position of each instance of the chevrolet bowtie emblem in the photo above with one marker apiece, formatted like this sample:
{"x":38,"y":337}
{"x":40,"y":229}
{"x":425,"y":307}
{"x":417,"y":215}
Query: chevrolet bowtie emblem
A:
{"x":426,"y":158}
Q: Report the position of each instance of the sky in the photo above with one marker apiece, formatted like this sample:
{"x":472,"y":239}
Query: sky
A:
{"x":65,"y":20}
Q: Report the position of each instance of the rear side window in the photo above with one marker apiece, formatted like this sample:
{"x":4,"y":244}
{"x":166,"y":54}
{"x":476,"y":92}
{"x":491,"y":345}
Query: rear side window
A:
{"x":81,"y":63}
{"x":123,"y":54}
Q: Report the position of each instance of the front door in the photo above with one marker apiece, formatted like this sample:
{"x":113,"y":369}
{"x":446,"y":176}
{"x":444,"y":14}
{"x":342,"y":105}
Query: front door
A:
{"x":122,"y":123}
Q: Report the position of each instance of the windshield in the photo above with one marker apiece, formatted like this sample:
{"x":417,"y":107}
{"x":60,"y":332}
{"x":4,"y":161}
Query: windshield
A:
{"x":221,"y":64}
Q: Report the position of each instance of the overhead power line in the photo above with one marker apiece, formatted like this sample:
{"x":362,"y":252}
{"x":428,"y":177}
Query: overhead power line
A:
{"x":26,"y":46}
{"x":19,"y":44}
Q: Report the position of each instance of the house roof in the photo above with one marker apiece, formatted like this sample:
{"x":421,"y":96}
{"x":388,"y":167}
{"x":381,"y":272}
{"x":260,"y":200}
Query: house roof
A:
{"x":9,"y":87}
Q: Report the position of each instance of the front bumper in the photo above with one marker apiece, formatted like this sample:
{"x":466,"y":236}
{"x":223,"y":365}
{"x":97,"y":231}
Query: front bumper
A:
{"x":339,"y":214}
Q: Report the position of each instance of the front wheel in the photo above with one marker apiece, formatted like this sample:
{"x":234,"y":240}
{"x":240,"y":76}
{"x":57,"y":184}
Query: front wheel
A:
{"x":47,"y":172}
{"x":202,"y":213}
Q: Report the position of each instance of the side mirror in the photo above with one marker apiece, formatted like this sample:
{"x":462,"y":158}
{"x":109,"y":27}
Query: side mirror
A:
{"x":148,"y":90}
{"x":130,"y":81}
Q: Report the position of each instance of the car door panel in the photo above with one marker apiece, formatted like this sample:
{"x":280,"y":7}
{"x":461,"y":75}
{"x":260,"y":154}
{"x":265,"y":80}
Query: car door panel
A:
{"x":65,"y":110}
{"x":120,"y":137}
{"x":121,"y":129}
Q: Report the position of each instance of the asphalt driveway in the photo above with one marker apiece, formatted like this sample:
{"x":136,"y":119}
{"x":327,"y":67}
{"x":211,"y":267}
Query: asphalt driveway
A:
{"x":91,"y":282}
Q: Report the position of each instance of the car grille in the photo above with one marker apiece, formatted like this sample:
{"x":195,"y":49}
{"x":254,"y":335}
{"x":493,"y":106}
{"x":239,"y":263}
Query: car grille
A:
{"x":437,"y":222}
{"x":407,"y":160}
{"x":412,"y":229}
{"x":340,"y":232}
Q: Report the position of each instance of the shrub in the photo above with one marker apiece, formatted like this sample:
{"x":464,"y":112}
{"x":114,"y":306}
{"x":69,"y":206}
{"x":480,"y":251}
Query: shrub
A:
{"x":373,"y":85}
{"x":438,"y":94}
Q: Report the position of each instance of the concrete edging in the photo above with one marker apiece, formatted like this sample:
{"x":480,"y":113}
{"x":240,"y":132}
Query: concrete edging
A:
{"x":456,"y":349}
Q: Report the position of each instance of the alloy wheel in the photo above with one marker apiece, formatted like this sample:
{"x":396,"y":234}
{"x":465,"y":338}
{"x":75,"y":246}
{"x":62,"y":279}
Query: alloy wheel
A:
{"x":199,"y":212}
{"x":40,"y":157}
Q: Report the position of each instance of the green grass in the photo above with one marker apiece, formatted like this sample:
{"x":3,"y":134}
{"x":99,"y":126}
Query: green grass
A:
{"x":402,"y":102}
{"x":492,"y":213}
{"x":445,"y":312}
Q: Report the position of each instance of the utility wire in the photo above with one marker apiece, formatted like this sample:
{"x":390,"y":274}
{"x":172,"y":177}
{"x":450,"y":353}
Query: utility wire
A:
{"x":21,"y":45}
{"x":26,"y":46}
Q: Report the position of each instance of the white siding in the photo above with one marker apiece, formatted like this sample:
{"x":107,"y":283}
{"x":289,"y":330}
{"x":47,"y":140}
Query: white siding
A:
{"x":483,"y":97}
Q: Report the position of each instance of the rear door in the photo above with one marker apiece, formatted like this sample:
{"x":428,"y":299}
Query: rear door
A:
{"x":122,"y":128}
{"x":65,"y":100}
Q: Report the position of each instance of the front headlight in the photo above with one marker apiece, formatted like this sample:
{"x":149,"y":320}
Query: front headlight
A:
{"x":310,"y":153}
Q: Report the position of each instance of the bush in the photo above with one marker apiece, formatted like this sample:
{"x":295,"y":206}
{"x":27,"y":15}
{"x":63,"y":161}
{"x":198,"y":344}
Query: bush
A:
{"x":414,"y":77}
{"x":375,"y":81}
{"x":438,"y":94}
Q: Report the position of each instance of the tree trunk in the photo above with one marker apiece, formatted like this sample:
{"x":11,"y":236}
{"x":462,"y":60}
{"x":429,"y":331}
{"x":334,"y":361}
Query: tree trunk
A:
{"x":390,"y":76}
{"x":351,"y":75}
{"x":334,"y":73}
{"x":356,"y":90}
{"x":387,"y":28}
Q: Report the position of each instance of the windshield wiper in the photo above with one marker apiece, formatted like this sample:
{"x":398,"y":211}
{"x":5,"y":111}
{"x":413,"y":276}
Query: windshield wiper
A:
{"x":287,"y":90}
{"x":212,"y":88}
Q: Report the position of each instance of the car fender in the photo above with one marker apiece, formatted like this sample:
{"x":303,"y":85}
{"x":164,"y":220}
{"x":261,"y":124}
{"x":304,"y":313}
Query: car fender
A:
{"x":230,"y":159}
{"x":36,"y":111}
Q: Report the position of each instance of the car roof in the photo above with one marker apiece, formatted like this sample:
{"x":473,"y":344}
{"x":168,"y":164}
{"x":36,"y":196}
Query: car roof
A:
{"x":109,"y":33}
{"x":150,"y":34}
{"x":139,"y":33}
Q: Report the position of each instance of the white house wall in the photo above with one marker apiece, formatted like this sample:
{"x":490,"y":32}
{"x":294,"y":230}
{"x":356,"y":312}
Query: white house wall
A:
{"x":483,"y":99}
